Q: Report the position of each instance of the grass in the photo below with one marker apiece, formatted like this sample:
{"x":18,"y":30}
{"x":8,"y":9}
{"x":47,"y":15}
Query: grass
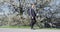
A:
{"x":14,"y":27}
{"x":27,"y":27}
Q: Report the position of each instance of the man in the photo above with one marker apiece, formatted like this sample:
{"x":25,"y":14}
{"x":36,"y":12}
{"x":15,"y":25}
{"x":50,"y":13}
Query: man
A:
{"x":32,"y":15}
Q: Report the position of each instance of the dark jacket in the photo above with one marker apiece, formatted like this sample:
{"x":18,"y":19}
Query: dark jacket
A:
{"x":31,"y":12}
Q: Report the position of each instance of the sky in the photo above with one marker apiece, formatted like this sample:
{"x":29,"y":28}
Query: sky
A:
{"x":6,"y":8}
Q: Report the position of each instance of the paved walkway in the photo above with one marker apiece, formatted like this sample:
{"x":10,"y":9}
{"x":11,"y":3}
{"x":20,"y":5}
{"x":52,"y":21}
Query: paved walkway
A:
{"x":27,"y":30}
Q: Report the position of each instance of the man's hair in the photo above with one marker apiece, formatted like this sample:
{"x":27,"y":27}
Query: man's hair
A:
{"x":33,"y":4}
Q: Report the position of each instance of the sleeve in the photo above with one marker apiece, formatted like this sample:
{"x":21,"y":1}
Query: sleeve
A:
{"x":35,"y":13}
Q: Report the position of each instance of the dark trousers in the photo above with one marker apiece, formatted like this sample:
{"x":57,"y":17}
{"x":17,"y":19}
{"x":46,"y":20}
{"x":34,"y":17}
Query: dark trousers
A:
{"x":33,"y":21}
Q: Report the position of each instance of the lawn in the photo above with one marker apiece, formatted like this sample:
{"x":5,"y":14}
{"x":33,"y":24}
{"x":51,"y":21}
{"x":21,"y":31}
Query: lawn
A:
{"x":27,"y":27}
{"x":14,"y":27}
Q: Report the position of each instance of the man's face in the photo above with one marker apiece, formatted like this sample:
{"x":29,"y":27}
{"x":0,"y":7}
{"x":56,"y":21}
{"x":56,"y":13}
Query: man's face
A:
{"x":33,"y":5}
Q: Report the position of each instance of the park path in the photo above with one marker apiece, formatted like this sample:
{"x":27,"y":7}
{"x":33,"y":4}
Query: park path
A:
{"x":27,"y":30}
